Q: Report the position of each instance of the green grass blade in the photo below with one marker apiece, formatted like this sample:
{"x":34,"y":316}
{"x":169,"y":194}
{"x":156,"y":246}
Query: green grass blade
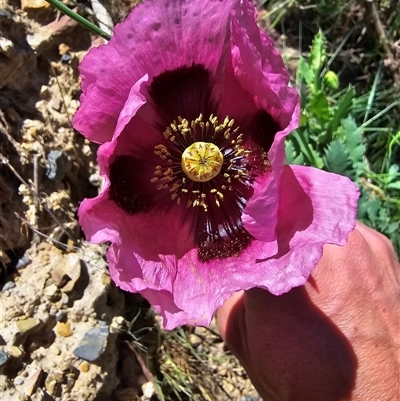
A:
{"x":380,"y":114}
{"x":78,"y":18}
{"x":372,"y":94}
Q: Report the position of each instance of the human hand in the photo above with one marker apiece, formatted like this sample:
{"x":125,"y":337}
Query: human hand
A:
{"x":335,"y":338}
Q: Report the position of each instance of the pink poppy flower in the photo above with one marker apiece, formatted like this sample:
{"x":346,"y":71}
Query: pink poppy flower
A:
{"x":191,"y":104}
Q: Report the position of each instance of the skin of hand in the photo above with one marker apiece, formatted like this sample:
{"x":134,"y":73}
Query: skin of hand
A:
{"x":335,"y":338}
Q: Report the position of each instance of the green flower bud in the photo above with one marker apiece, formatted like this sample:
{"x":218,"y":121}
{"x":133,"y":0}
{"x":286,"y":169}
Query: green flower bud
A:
{"x":332,"y":80}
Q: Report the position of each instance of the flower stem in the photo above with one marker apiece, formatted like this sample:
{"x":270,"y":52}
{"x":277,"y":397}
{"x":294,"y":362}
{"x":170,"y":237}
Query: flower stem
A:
{"x":78,"y":18}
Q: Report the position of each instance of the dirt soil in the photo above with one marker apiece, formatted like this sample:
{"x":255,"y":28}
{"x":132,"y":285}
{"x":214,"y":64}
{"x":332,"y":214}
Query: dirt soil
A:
{"x":66,"y":332}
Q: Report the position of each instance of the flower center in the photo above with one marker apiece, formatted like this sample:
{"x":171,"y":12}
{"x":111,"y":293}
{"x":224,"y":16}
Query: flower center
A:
{"x":202,"y":161}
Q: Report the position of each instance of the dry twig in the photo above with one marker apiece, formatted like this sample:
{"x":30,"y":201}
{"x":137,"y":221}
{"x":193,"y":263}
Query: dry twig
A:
{"x":384,"y":41}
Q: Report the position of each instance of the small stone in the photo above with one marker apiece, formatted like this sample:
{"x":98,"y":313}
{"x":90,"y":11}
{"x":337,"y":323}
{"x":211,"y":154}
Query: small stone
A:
{"x":73,"y":269}
{"x":74,"y":104}
{"x":6,"y":45}
{"x":64,"y":329}
{"x":64,"y":298}
{"x":5,"y":14}
{"x":30,"y":383}
{"x":56,"y":350}
{"x":59,"y":277}
{"x":50,"y":386}
{"x":44,"y":92}
{"x":148,"y":390}
{"x":45,"y":258}
{"x":15,"y":352}
{"x":53,"y":310}
{"x":52,"y":379}
{"x":3,"y":358}
{"x":66,"y":58}
{"x":4,"y":259}
{"x":56,"y":104}
{"x":195,"y":340}
{"x":118,"y":322}
{"x":43,"y":308}
{"x":60,"y":315}
{"x":19,"y":381}
{"x":93,"y":344}
{"x":228,"y":387}
{"x":63,"y":49}
{"x":105,"y":279}
{"x":8,"y":285}
{"x":28,"y":324}
{"x":28,"y":5}
{"x":84,"y":367}
{"x":52,"y":293}
{"x":250,"y":398}
{"x":23,"y":262}
{"x":56,"y":163}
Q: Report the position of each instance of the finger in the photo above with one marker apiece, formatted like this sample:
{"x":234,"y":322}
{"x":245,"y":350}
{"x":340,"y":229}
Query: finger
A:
{"x":235,"y":302}
{"x":288,"y":346}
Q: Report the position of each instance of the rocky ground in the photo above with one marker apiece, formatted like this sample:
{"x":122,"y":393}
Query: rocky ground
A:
{"x":66,"y":332}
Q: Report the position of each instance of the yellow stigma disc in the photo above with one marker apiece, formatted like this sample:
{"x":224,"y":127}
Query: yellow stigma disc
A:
{"x":202,"y":161}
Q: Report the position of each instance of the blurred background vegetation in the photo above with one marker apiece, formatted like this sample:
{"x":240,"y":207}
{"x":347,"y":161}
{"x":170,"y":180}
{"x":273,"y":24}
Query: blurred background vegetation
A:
{"x":345,"y":60}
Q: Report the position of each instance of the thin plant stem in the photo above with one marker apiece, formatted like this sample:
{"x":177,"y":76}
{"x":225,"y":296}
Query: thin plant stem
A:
{"x":78,"y":18}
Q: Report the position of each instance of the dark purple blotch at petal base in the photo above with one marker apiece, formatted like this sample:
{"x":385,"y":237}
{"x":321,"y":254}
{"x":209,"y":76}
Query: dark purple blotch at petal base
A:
{"x":124,"y":188}
{"x":185,"y":91}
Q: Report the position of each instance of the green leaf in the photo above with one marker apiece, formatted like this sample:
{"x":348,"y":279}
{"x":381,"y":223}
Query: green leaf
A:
{"x":311,"y":156}
{"x":290,"y":152}
{"x":299,"y":160}
{"x":354,"y":143}
{"x":303,"y":119}
{"x":319,"y":107}
{"x":337,"y":159}
{"x":304,"y":72}
{"x":393,"y":173}
{"x":392,"y":227}
{"x":317,"y":53}
{"x":293,"y":152}
{"x":342,"y":110}
{"x":394,"y":185}
{"x":374,"y":206}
